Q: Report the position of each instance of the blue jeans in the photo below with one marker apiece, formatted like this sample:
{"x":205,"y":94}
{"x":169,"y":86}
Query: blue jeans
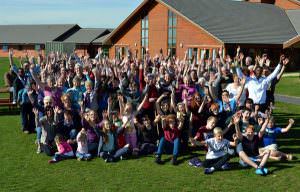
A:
{"x":83,"y":155}
{"x":60,"y":157}
{"x":167,"y":146}
{"x":115,"y":155}
{"x":73,"y":134}
{"x":38,"y":133}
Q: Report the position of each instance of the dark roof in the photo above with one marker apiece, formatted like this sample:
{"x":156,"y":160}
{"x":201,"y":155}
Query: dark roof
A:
{"x":33,"y":34}
{"x":101,"y":40}
{"x":87,"y":35}
{"x":294,"y":16}
{"x":237,"y":22}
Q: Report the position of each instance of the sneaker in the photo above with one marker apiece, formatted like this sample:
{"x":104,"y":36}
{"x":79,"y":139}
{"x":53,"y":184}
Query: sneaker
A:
{"x":261,"y":171}
{"x":195,"y":162}
{"x":26,"y":132}
{"x":289,"y":157}
{"x":174,"y":161}
{"x":52,"y":161}
{"x":109,"y":160}
{"x":39,"y":150}
{"x":208,"y":171}
{"x":226,"y":166}
{"x":158,"y":160}
{"x":79,"y":159}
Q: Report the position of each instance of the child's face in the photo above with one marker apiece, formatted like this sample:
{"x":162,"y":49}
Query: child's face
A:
{"x":246,"y":114}
{"x":249,"y":133}
{"x":271,"y":124}
{"x":88,"y":88}
{"x":67,"y":117}
{"x":181,"y":108}
{"x":92,"y":116}
{"x":211,"y":124}
{"x":172,"y":123}
{"x":218,"y":137}
{"x":215,"y":111}
{"x":106,"y":125}
{"x":165,"y":107}
{"x":146,"y":122}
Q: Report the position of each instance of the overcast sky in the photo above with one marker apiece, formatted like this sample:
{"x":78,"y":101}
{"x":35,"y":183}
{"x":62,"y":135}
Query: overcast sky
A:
{"x":86,"y":13}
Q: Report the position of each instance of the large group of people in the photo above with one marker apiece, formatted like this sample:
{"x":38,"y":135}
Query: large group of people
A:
{"x":114,"y":109}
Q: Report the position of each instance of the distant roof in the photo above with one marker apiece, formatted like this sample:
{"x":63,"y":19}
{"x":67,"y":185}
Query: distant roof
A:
{"x":101,"y":40}
{"x":87,"y":35}
{"x":237,"y":22}
{"x":33,"y":34}
{"x":294,"y":16}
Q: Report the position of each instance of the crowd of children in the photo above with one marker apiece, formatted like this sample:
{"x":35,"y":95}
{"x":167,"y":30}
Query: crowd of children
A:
{"x":96,"y":107}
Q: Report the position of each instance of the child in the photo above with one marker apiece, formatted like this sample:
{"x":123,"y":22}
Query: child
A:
{"x":269,"y":140}
{"x":248,"y":148}
{"x":107,"y":148}
{"x":218,"y":152}
{"x":170,"y":139}
{"x":148,"y":136}
{"x":82,"y":146}
{"x":205,"y":132}
{"x":65,"y":150}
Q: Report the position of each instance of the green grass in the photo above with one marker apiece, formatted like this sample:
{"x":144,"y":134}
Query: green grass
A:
{"x":24,"y":170}
{"x":289,"y":86}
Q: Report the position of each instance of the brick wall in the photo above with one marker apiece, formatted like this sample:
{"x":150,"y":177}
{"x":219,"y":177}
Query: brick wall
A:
{"x":19,"y":50}
{"x":188,"y":35}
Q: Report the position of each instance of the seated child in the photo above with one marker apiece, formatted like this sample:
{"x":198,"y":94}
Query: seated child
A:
{"x":218,"y":152}
{"x":108,"y":148}
{"x":269,"y":140}
{"x":170,"y":140}
{"x":82,"y":146}
{"x":65,"y":150}
{"x":148,"y":136}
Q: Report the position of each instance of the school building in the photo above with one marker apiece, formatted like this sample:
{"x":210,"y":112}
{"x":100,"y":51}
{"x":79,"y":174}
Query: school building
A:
{"x":46,"y":38}
{"x":193,"y":25}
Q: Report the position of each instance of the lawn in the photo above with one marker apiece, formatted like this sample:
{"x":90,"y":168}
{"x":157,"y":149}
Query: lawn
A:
{"x":289,"y":86}
{"x":24,"y":170}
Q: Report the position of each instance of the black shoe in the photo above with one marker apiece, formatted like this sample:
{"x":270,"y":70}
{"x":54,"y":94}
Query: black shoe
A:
{"x":158,"y":160}
{"x":174,"y":160}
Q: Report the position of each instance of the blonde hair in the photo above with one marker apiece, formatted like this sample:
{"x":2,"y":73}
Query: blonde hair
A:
{"x":88,"y":83}
{"x":47,"y":99}
{"x":218,"y":131}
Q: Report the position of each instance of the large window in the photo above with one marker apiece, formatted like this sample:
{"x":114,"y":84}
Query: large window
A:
{"x":5,"y":48}
{"x":172,"y":22}
{"x":145,"y":34}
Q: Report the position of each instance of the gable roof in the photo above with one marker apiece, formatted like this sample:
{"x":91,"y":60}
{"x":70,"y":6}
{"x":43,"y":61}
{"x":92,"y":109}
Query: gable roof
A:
{"x":237,"y":22}
{"x":101,"y":40}
{"x":34,"y":34}
{"x":294,"y":16}
{"x":230,"y":22}
{"x":87,"y":35}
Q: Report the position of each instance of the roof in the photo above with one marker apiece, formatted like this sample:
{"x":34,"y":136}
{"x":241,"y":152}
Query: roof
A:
{"x":33,"y":34}
{"x":237,"y":22}
{"x":294,"y":16}
{"x":87,"y":35}
{"x":101,"y":40}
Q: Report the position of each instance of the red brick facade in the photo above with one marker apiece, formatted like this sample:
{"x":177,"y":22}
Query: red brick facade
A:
{"x":188,"y":35}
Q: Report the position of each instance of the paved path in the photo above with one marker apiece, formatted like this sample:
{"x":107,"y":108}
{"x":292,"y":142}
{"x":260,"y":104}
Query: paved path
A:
{"x":287,"y":99}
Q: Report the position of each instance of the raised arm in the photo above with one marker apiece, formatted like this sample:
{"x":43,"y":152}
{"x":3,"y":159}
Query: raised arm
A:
{"x":243,"y":82}
{"x":289,"y":126}
{"x":236,"y":121}
{"x":263,"y":128}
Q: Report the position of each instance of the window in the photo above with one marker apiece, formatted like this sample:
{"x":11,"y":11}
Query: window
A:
{"x":144,"y":35}
{"x":172,"y":22}
{"x":5,"y":48}
{"x":37,"y":47}
{"x":105,"y":51}
{"x":193,"y":54}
